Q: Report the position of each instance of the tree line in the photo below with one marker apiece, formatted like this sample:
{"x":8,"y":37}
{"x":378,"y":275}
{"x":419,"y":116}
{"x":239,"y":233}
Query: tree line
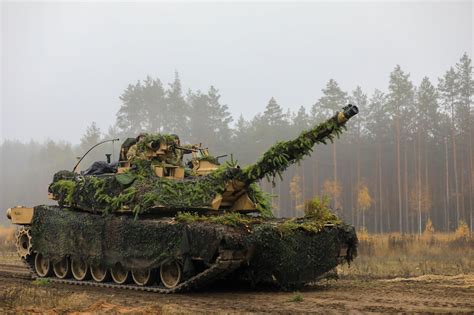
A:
{"x":405,"y":159}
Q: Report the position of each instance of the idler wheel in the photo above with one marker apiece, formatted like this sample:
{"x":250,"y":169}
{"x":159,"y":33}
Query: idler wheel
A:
{"x":62,"y":269}
{"x":23,"y":242}
{"x":144,"y":277}
{"x":80,"y":269}
{"x":43,"y":266}
{"x":99,"y":273}
{"x":119,"y":274}
{"x":171,"y":274}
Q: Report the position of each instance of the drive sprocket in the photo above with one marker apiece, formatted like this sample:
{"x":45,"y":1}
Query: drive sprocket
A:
{"x":24,"y":242}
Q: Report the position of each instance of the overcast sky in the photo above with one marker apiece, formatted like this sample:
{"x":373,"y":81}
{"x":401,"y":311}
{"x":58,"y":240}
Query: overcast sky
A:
{"x":64,"y":65}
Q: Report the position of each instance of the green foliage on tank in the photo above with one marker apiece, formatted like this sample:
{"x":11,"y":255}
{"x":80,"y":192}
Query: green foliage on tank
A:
{"x":139,"y":189}
{"x":142,"y":191}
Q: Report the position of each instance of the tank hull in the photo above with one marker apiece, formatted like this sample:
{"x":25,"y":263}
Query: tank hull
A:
{"x":259,"y":252}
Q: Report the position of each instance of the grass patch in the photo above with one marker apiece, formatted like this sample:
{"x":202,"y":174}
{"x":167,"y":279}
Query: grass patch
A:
{"x":230,"y":219}
{"x":296,"y":297}
{"x":40,"y":281}
{"x":311,"y":224}
{"x":317,"y":215}
{"x":396,"y":255}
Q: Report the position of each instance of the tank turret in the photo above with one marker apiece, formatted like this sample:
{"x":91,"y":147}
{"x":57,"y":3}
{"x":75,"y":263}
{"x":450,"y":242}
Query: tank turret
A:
{"x":153,"y":178}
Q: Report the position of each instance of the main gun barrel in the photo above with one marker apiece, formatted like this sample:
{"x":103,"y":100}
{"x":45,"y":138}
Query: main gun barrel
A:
{"x":281,"y":155}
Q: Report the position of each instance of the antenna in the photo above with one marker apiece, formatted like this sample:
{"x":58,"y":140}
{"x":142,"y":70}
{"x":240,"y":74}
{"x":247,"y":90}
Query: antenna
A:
{"x":105,"y":141}
{"x":113,"y":150}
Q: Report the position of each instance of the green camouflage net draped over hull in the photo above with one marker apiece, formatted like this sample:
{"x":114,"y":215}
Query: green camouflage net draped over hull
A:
{"x":291,"y":256}
{"x":110,"y":239}
{"x":300,"y":256}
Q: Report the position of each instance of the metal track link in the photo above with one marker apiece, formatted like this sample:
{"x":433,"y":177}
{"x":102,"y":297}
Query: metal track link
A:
{"x":28,"y":261}
{"x":216,"y":271}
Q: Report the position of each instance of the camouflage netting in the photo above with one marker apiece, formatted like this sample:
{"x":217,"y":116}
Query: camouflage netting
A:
{"x":298,"y":257}
{"x":143,"y":243}
{"x":292,"y":252}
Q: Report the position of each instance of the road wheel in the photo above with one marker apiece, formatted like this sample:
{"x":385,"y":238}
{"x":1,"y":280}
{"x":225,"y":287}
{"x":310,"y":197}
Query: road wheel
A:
{"x":100,"y":273}
{"x":144,"y":277}
{"x":119,"y":274}
{"x":80,"y":269}
{"x":62,"y":268}
{"x":42,"y":266}
{"x":171,"y":274}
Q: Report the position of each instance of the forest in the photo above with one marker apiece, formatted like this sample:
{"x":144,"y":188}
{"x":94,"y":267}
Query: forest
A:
{"x":406,"y":160}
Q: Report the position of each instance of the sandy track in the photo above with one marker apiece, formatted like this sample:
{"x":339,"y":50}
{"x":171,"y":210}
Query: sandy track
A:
{"x":429,"y":293}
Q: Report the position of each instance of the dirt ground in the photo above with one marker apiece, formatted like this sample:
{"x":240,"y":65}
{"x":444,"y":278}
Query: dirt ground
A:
{"x":429,"y":293}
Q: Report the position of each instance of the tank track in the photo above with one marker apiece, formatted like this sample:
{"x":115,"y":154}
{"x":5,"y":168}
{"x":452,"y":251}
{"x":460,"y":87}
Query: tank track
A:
{"x":218,"y":270}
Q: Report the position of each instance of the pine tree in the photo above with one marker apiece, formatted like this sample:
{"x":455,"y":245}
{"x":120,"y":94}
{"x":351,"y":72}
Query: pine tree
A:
{"x":300,"y":121}
{"x":91,"y":137}
{"x":273,"y":115}
{"x":143,"y":107}
{"x":242,"y":148}
{"x":427,"y":123}
{"x":465,"y":90}
{"x":177,"y":109}
{"x":377,"y":122}
{"x":448,"y":88}
{"x":333,"y":99}
{"x":359,"y":99}
{"x":219,"y":120}
{"x":200,"y":111}
{"x":464,"y":116}
{"x":427,"y":108}
{"x":154,"y":105}
{"x":377,"y":119}
{"x":131,"y":117}
{"x":272,"y":126}
{"x":400,"y":101}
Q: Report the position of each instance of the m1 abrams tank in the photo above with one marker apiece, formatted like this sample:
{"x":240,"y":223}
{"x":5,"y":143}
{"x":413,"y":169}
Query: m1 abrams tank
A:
{"x":150,"y":223}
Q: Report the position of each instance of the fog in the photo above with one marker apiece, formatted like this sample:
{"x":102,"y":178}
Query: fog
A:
{"x":65,"y":64}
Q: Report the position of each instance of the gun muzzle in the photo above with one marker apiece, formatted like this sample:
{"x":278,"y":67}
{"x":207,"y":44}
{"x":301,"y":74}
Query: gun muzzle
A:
{"x":347,"y":112}
{"x":350,"y":110}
